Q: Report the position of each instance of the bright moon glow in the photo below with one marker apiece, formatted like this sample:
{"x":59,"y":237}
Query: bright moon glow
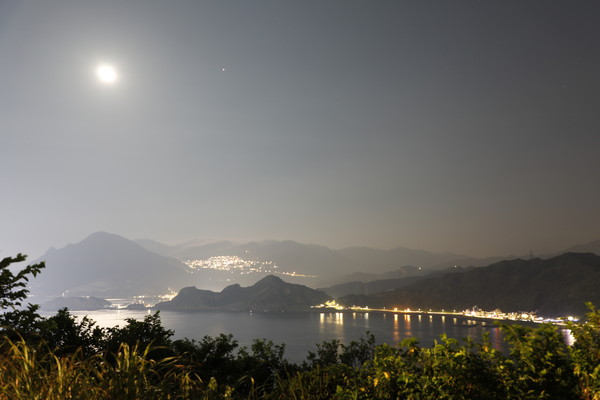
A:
{"x":106,"y":74}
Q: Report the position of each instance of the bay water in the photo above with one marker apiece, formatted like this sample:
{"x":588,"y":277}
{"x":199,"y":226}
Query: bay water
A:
{"x":301,"y":331}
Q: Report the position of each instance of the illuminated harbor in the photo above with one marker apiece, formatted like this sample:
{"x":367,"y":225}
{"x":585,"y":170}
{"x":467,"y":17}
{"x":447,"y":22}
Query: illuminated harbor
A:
{"x":474,"y":313}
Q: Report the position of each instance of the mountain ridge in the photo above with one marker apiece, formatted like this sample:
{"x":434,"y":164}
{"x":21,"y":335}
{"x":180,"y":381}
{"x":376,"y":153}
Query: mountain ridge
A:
{"x":268,"y":294}
{"x":109,"y":265}
{"x":557,"y":286}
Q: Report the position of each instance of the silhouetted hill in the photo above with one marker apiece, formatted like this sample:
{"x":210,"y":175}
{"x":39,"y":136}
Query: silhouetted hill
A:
{"x":154,"y":246}
{"x":268,"y":294}
{"x":385,"y":284}
{"x":557,"y":286}
{"x":355,"y":277}
{"x":473,"y":261}
{"x":194,"y":249}
{"x":107,"y":265}
{"x":591,"y":247}
{"x":381,"y":261}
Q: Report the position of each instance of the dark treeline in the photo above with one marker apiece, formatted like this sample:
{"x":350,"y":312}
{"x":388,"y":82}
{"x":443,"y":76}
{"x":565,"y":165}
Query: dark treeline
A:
{"x":61,"y":357}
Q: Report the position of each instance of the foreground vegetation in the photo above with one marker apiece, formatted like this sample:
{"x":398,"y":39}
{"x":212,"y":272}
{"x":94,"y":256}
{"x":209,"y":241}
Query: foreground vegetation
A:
{"x":64,"y":358}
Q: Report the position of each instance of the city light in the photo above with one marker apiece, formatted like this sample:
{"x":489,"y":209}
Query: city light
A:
{"x":240,"y":265}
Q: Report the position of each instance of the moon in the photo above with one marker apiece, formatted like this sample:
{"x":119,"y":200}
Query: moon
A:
{"x":107,"y":74}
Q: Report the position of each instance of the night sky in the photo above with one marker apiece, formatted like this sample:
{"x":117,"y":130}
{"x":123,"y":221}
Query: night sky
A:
{"x":462,"y":126}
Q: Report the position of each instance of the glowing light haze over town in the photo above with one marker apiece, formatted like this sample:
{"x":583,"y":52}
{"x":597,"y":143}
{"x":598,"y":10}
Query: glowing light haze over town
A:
{"x":452,"y":126}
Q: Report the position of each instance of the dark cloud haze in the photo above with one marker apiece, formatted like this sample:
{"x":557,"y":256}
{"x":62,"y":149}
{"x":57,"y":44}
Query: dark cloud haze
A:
{"x":464,"y":126}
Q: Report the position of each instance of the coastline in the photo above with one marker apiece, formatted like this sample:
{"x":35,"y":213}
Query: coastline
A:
{"x":483,"y":320}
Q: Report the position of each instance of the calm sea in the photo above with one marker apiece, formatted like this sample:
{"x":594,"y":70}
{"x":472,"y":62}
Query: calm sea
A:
{"x":302,"y":331}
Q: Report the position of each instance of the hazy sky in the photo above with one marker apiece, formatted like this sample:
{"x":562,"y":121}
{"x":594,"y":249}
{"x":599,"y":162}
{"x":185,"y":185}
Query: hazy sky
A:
{"x":463,"y":126}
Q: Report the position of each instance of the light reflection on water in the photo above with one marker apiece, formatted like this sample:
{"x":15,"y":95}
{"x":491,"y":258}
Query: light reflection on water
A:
{"x":302,"y":331}
{"x":396,"y":329}
{"x":407,"y":326}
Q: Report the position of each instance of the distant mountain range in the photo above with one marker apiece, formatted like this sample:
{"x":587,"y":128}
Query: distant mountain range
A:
{"x":557,"y":286}
{"x":269,"y":294}
{"x":329,"y":266}
{"x":110,"y":266}
{"x":332,"y":267}
{"x":309,"y":258}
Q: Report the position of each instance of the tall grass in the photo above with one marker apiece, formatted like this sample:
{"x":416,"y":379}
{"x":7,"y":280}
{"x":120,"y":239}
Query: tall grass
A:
{"x":32,"y":372}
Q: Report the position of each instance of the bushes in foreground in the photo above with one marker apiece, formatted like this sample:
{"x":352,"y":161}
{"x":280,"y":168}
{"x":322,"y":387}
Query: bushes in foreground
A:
{"x":539,"y":365}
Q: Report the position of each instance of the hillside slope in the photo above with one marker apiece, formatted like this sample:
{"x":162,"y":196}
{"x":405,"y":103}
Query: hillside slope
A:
{"x":557,"y":286}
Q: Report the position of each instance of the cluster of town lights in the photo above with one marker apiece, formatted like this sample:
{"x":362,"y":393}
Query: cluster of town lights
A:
{"x":240,"y":265}
{"x":232,"y":263}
